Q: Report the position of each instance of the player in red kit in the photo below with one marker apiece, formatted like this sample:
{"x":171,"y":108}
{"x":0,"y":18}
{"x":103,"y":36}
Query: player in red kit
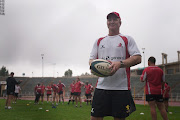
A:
{"x":92,"y":90}
{"x":88,"y":95}
{"x":37,"y":92}
{"x":42,"y":92}
{"x":55,"y":93}
{"x":72,"y":88}
{"x":154,"y":78}
{"x":48,"y":91}
{"x":61,"y":87}
{"x":166,"y":95}
{"x":77,"y":91}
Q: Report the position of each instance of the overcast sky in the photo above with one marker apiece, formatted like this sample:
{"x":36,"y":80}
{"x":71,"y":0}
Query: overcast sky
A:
{"x":65,"y":31}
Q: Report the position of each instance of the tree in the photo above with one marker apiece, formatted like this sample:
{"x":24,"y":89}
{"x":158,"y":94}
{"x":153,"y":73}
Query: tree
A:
{"x":85,"y":74}
{"x":68,"y":73}
{"x":4,"y":71}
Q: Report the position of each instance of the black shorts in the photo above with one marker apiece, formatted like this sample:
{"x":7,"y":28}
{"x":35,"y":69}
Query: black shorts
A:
{"x":158,"y":98}
{"x":10,"y":92}
{"x":116,"y":103}
{"x":77,"y":93}
{"x":72,"y":93}
{"x":48,"y":94}
{"x":61,"y":92}
{"x":88,"y":95}
{"x":42,"y":94}
{"x":16,"y":94}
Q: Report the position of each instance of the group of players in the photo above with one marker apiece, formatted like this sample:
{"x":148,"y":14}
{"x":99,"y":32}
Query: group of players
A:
{"x":55,"y":91}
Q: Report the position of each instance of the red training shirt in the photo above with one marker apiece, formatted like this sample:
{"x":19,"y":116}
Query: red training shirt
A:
{"x":154,"y":77}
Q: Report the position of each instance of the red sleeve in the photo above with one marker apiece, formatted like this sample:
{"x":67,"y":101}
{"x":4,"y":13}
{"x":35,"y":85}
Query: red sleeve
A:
{"x":143,"y":77}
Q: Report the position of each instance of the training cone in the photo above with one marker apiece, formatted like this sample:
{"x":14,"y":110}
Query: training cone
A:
{"x":142,"y":113}
{"x":170,"y":112}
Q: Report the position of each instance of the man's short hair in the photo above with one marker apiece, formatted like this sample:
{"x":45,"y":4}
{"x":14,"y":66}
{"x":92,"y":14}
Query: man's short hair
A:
{"x":12,"y":73}
{"x":152,"y":59}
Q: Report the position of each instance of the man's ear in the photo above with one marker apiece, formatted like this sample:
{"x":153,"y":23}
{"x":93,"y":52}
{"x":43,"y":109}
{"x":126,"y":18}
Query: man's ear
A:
{"x":120,"y":22}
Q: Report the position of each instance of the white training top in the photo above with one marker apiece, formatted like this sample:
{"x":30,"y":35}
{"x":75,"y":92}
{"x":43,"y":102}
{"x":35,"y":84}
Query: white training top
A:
{"x":17,"y":89}
{"x":113,"y":48}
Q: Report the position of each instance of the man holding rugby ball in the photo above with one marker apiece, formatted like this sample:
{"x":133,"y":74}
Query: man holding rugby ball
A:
{"x":112,"y":96}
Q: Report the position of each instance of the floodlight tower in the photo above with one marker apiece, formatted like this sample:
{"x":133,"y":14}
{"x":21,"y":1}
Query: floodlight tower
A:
{"x":57,"y":74}
{"x":179,"y":59}
{"x":54,"y":65}
{"x":42,"y":55}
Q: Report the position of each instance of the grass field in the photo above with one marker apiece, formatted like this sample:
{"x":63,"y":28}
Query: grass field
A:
{"x":22,"y":111}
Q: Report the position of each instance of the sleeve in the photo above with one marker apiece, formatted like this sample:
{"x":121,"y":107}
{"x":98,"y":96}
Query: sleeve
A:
{"x":132,"y":47}
{"x":15,"y":82}
{"x":81,"y":83}
{"x":144,"y":75}
{"x":94,"y":52}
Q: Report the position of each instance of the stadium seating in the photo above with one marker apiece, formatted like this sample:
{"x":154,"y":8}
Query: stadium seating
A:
{"x":137,"y":87}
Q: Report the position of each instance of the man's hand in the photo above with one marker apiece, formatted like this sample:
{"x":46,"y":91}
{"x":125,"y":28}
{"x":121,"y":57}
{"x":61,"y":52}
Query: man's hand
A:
{"x":90,"y":61}
{"x":114,"y":67}
{"x":141,"y":80}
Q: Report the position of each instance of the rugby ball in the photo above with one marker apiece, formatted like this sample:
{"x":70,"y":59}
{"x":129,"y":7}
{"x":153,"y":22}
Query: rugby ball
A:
{"x":100,"y":68}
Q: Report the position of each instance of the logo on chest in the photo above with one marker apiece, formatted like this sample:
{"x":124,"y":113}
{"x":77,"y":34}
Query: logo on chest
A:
{"x":120,"y":45}
{"x":102,"y":46}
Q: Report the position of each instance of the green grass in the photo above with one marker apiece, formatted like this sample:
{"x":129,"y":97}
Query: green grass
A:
{"x":21,"y":111}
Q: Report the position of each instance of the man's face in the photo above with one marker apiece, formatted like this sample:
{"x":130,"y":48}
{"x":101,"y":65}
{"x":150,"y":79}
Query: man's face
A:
{"x":77,"y":79}
{"x":12,"y":74}
{"x":113,"y":22}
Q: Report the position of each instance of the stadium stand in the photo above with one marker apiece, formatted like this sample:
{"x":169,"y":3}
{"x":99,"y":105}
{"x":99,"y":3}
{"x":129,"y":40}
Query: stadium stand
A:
{"x":137,"y":87}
